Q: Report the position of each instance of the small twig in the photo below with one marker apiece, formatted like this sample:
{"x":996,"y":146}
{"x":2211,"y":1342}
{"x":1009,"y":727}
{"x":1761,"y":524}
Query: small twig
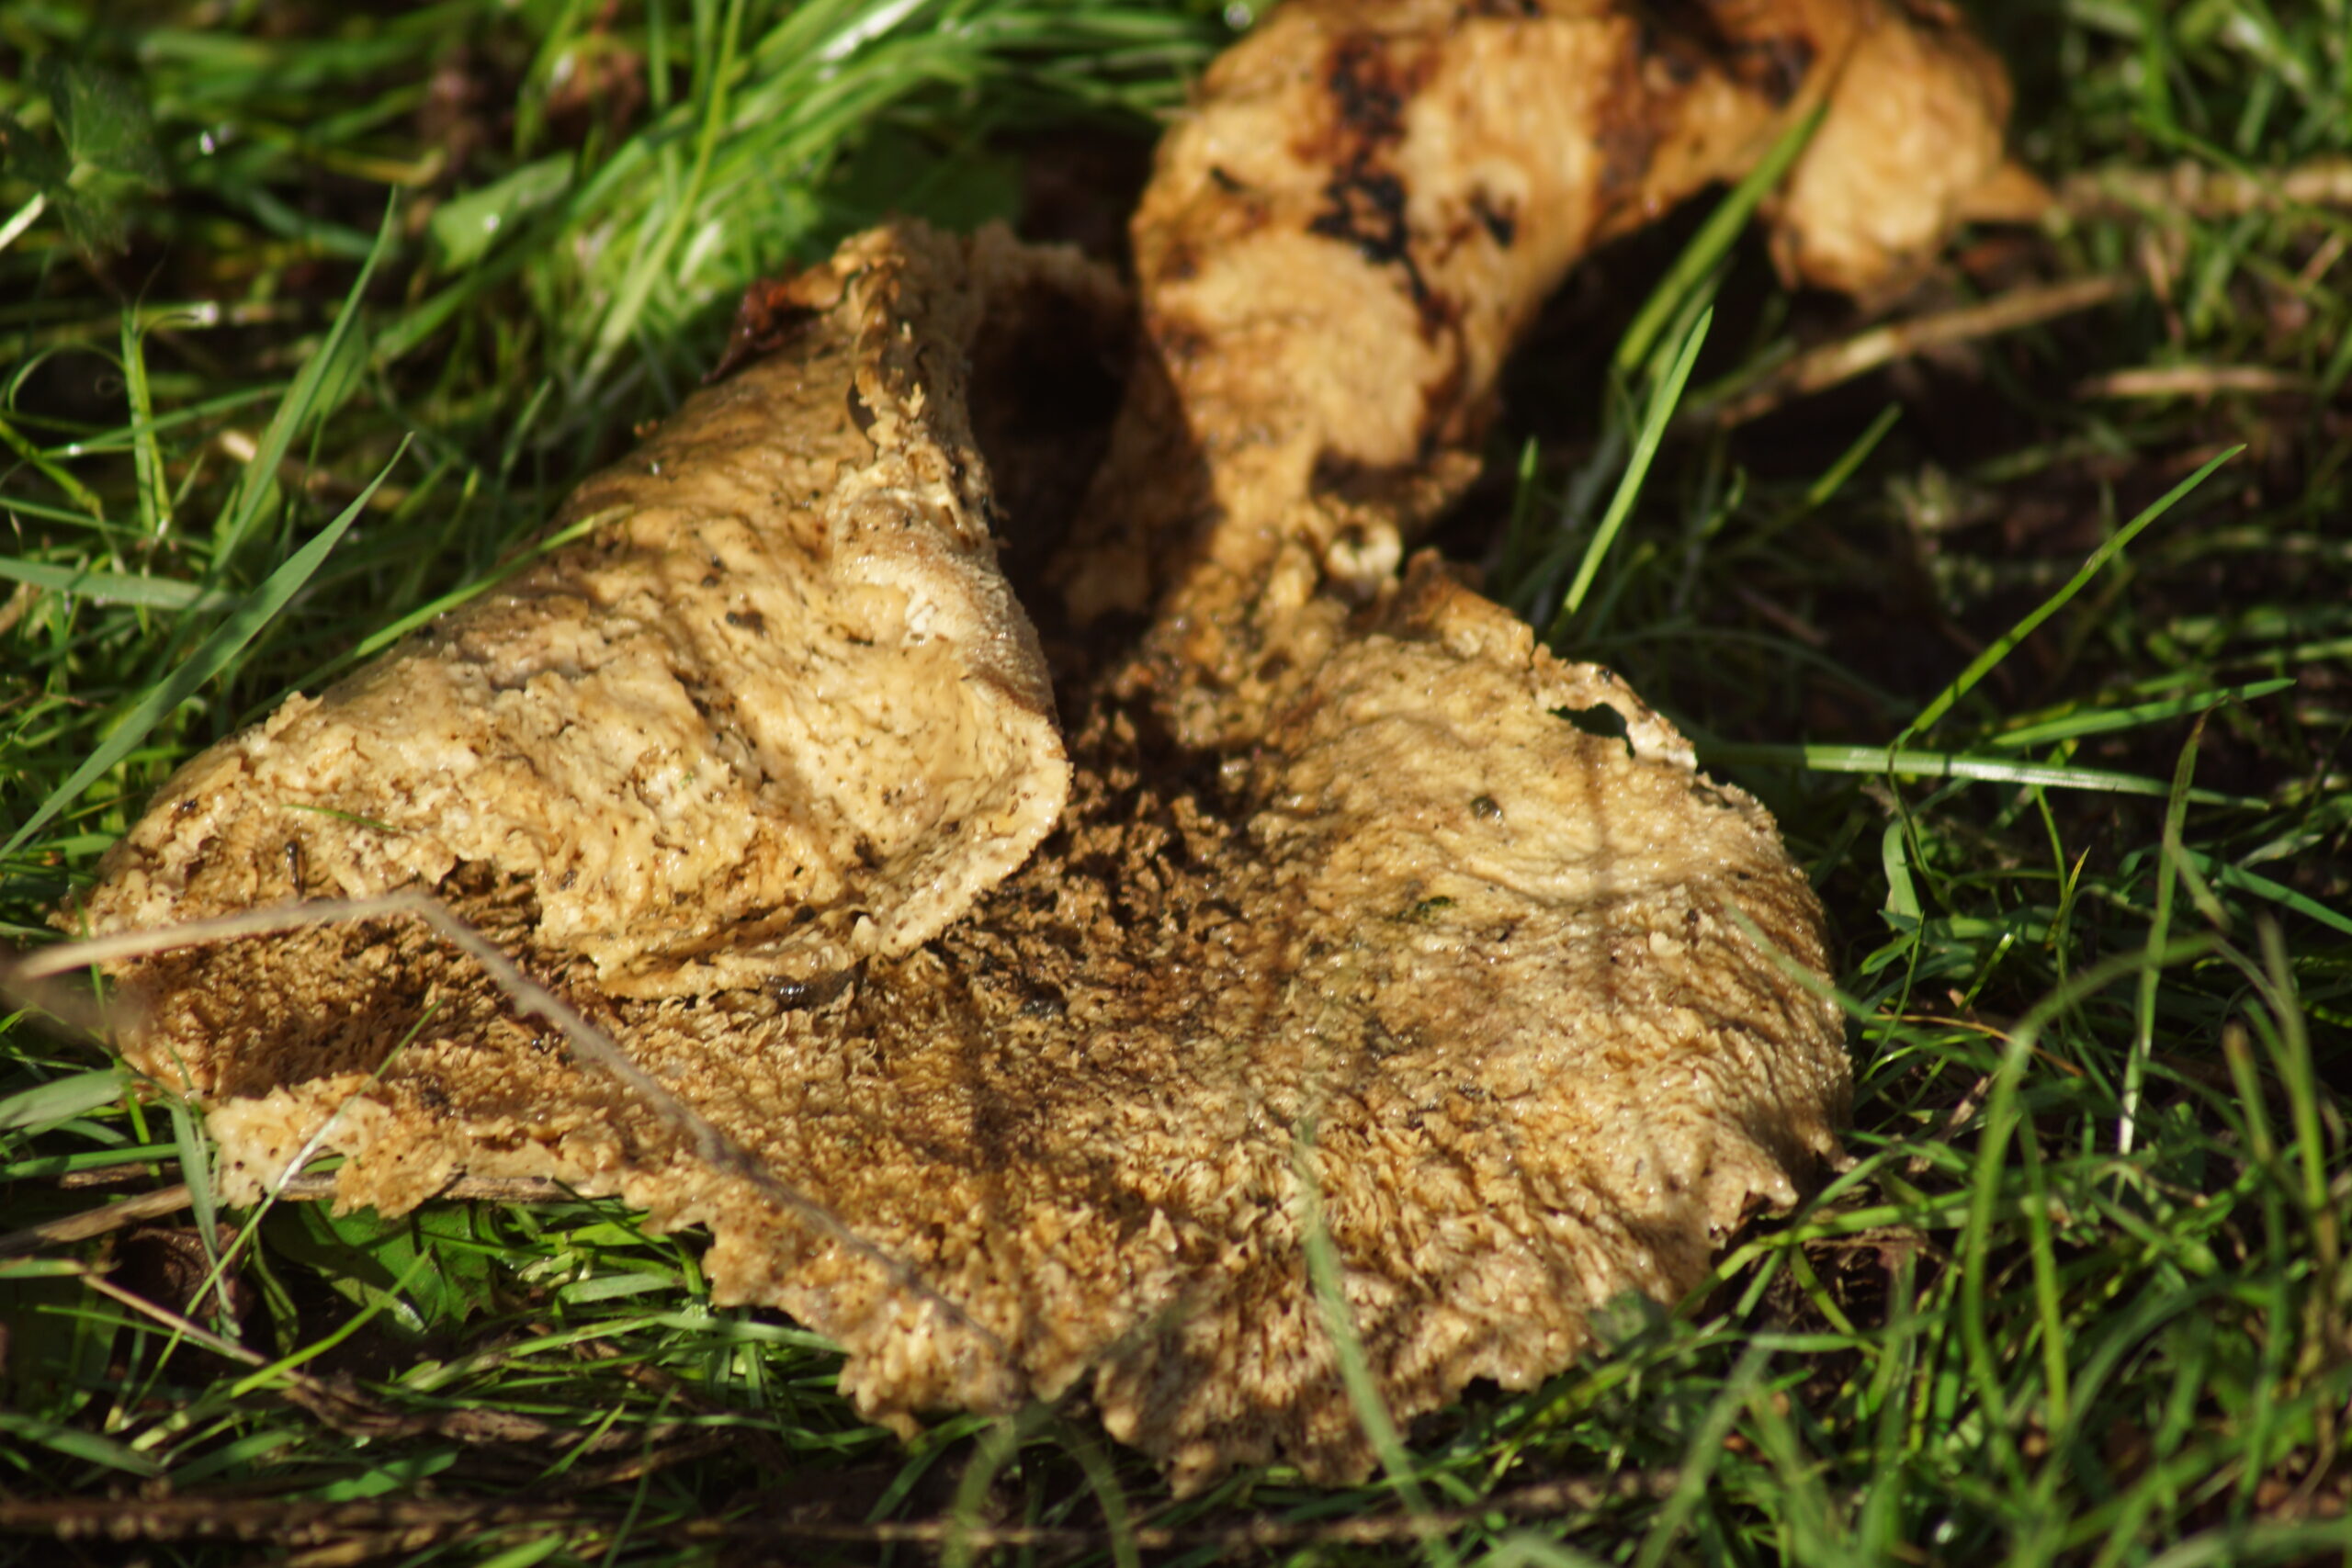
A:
{"x":343,"y":1407}
{"x":1835,"y":362}
{"x":1787,"y":620}
{"x":636,"y":1466}
{"x":68,"y":1229}
{"x":180,"y":1324}
{"x":314,"y":1524}
{"x":2191,"y":381}
{"x":2206,"y":192}
{"x":318,"y":1188}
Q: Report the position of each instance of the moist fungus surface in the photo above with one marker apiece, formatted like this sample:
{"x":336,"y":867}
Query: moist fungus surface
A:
{"x":1072,"y":980}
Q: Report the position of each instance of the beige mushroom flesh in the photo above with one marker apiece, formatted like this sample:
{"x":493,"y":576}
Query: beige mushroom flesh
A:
{"x":1281,"y":882}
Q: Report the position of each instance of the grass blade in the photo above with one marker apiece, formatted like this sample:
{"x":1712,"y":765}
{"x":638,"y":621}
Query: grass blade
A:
{"x":1985,"y":662}
{"x":211,"y":656}
{"x":2245,"y":881}
{"x":1712,"y":244}
{"x":2143,"y":1043}
{"x":155,"y":495}
{"x":1654,"y":426}
{"x":301,"y":403}
{"x":61,"y":1100}
{"x":1912,"y":763}
{"x":76,"y":1443}
{"x":2105,"y":721}
{"x":113,"y":587}
{"x":1323,"y":1270}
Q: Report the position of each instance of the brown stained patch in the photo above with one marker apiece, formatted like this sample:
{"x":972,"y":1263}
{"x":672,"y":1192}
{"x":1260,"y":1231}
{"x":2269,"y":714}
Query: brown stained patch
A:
{"x":1627,"y":142}
{"x":1676,"y":65}
{"x":1662,"y":60}
{"x":1369,"y":81}
{"x":1500,"y":220}
{"x":1442,"y":404}
{"x":1339,"y":477}
{"x":772,"y":312}
{"x":1629,"y":125}
{"x":1181,"y":263}
{"x":1213,"y":226}
{"x":1775,"y":66}
{"x":1367,"y":210}
{"x":1370,"y":88}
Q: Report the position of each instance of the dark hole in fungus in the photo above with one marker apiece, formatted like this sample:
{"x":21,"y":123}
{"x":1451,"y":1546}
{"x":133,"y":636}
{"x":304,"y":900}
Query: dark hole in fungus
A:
{"x":1599,"y":721}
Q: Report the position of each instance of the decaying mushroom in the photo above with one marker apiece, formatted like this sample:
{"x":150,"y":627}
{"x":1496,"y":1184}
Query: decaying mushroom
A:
{"x":776,"y":714}
{"x":1334,"y":899}
{"x":1339,"y":244}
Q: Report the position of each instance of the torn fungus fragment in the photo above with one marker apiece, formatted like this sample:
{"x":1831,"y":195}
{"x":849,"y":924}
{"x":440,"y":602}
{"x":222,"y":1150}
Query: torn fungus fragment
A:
{"x":777,"y":713}
{"x":1331,"y":893}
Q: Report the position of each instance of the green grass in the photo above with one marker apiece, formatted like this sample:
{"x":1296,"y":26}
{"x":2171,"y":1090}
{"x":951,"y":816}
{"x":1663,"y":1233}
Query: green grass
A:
{"x":2060,"y":739}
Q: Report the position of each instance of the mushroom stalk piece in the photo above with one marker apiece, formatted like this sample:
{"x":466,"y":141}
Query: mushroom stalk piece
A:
{"x":1334,"y":900}
{"x":1343,"y":237}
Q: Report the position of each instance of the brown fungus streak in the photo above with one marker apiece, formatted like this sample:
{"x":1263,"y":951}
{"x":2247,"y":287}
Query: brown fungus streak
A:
{"x":1037,"y":981}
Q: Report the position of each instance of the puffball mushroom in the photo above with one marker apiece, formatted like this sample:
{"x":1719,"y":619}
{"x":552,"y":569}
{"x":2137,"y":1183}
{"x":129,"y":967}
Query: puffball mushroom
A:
{"x":1069,"y":983}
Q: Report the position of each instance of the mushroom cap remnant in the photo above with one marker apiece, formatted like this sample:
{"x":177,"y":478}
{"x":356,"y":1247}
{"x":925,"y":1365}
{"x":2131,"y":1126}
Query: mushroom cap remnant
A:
{"x":1497,"y":981}
{"x":777,"y":713}
{"x":1462,"y":939}
{"x":1037,"y":1054}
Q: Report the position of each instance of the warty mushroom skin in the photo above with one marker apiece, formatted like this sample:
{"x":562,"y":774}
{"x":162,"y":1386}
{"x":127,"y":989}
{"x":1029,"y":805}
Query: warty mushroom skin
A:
{"x":1346,"y":899}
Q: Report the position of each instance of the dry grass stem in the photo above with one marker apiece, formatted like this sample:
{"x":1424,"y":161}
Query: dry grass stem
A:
{"x":2193,"y":381}
{"x":302,"y":1524}
{"x":2193,"y":189}
{"x":1833,"y":364}
{"x":67,"y":1229}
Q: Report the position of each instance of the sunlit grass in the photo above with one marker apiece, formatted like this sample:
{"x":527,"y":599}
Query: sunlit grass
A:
{"x":2060,"y":735}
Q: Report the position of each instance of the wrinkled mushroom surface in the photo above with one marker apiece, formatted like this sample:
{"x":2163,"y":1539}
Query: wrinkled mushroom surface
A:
{"x":1330,"y":894}
{"x":777,"y":713}
{"x":1475,"y":961}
